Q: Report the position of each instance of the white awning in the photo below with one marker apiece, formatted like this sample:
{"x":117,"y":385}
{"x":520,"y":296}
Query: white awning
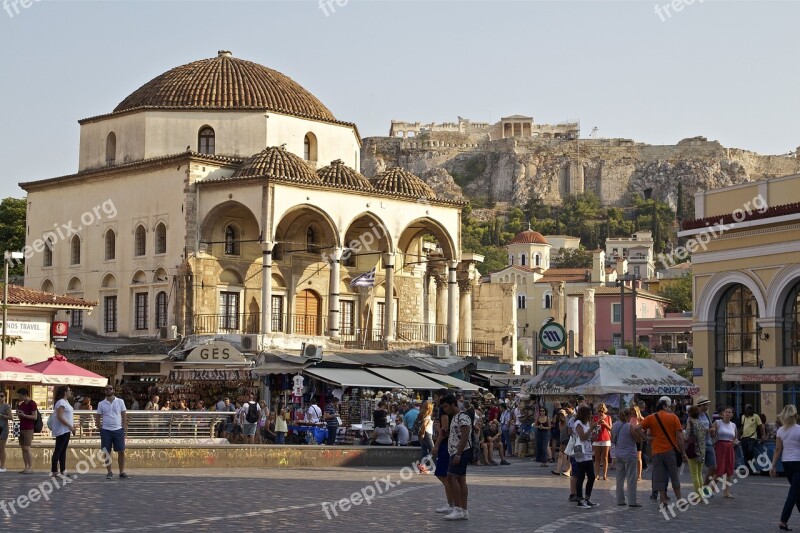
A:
{"x":350,"y":377}
{"x":451,"y":381}
{"x":406,"y":378}
{"x":510,"y":381}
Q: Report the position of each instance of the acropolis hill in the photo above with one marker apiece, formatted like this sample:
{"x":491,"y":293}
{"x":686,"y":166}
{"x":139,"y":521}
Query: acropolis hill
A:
{"x":516,"y":159}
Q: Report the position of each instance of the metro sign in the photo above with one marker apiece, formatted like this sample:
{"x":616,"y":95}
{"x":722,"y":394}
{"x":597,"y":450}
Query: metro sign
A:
{"x":552,"y":336}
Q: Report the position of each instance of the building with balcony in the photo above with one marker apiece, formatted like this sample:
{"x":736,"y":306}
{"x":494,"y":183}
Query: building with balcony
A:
{"x":223,"y":198}
{"x":637,"y":250}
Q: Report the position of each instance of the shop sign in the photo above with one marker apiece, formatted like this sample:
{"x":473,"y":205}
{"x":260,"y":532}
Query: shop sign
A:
{"x":697,"y":372}
{"x":552,"y":336}
{"x":211,"y":374}
{"x":107,"y":370}
{"x":60,"y":331}
{"x":28,"y":331}
{"x":215,"y":352}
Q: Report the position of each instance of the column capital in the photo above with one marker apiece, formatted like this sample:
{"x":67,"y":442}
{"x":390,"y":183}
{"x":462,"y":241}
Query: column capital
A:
{"x":465,"y":285}
{"x":266,"y":247}
{"x":452,"y":264}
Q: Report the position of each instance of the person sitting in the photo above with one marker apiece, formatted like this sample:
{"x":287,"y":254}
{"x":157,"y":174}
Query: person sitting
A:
{"x":400,"y":432}
{"x":491,"y":442}
{"x":381,"y":435}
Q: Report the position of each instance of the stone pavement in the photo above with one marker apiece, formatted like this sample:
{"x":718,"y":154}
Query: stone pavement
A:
{"x":520,"y":497}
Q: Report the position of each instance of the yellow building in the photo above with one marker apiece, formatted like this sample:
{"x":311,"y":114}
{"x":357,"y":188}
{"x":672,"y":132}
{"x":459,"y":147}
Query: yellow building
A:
{"x":745,"y":249}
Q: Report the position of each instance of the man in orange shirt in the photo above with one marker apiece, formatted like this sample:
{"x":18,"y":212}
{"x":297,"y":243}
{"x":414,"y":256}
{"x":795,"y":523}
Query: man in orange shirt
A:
{"x":665,"y":463}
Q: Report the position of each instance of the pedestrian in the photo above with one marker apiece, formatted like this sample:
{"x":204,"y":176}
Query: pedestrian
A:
{"x":63,"y":428}
{"x":112,"y":418}
{"x":86,"y":420}
{"x":787,"y":449}
{"x":425,"y":436}
{"x":459,"y":447}
{"x":625,"y":437}
{"x":723,"y":448}
{"x":263,"y":422}
{"x":248,"y":417}
{"x":563,"y":465}
{"x":410,"y":420}
{"x":751,"y":431}
{"x":505,"y":428}
{"x":555,"y":434}
{"x":332,"y":420}
{"x":573,"y":480}
{"x":441,"y":428}
{"x":27,"y":411}
{"x":635,"y":419}
{"x":667,"y":438}
{"x":542,"y":437}
{"x":694,"y":429}
{"x":6,"y":417}
{"x":583,"y":454}
{"x":710,"y":459}
{"x":281,"y":424}
{"x":602,"y":441}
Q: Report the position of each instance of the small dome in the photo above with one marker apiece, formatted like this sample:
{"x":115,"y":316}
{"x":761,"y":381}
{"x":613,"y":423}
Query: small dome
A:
{"x":399,"y":181}
{"x":276,"y":162}
{"x":529,"y":237}
{"x":337,"y":174}
{"x":225,"y":82}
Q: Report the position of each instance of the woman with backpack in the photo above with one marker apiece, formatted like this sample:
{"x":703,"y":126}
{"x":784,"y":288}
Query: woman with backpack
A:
{"x":425,"y":432}
{"x":695,"y":447}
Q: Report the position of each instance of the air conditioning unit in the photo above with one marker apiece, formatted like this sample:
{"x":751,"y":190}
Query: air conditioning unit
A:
{"x":441,"y":351}
{"x":168,"y":333}
{"x":250,"y":343}
{"x":311,"y":351}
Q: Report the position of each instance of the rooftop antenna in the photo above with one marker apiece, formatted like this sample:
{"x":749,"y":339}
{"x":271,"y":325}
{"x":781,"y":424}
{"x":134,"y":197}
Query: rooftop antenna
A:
{"x":594,"y":133}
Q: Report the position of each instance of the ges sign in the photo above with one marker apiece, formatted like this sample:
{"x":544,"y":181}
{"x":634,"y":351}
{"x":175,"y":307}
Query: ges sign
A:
{"x":215,"y":352}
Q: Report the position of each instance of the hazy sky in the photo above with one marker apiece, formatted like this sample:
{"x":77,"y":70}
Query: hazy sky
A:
{"x":724,"y":70}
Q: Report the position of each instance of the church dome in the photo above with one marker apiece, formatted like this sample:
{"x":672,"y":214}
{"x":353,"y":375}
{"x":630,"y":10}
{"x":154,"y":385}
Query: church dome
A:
{"x":529,"y":237}
{"x":337,"y":174}
{"x":224,"y":82}
{"x":276,"y":162}
{"x":399,"y":181}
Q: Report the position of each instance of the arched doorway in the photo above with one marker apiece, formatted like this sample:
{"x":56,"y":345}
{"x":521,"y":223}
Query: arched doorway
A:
{"x":308,"y":313}
{"x":791,"y":339}
{"x":737,"y":344}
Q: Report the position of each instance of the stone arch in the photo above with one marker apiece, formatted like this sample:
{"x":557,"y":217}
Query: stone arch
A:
{"x":291,"y":231}
{"x":48,"y":287}
{"x":779,"y":288}
{"x":715,"y":288}
{"x":278,"y":281}
{"x":417,"y":228}
{"x":160,"y":275}
{"x":138,"y":278}
{"x":109,"y":281}
{"x":231,"y":277}
{"x":231,"y":212}
{"x":75,"y":284}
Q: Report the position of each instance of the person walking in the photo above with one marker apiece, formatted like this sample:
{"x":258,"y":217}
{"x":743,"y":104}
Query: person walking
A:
{"x":787,"y":449}
{"x":112,"y":419}
{"x":425,"y":436}
{"x":584,"y":464}
{"x":5,"y":428}
{"x":625,"y":438}
{"x":27,"y":411}
{"x":63,"y":428}
{"x":710,"y":459}
{"x":441,"y":429}
{"x":723,"y":448}
{"x":563,"y":465}
{"x":542,"y":436}
{"x":281,"y":425}
{"x":635,"y":419}
{"x":602,"y":442}
{"x":666,"y":431}
{"x":752,"y":430}
{"x":459,"y":447}
{"x":331,"y":418}
{"x":694,"y":429}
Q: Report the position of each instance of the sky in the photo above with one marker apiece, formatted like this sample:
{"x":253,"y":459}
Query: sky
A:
{"x":636,"y":69}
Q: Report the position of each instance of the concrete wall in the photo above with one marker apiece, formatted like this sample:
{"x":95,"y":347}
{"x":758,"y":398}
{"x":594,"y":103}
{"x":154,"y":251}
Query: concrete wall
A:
{"x":494,"y":316}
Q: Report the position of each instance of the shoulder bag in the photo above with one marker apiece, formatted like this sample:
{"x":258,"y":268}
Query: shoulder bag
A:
{"x":678,"y":456}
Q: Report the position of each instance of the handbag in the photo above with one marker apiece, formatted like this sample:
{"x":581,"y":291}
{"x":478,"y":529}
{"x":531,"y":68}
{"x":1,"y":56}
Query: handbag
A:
{"x":691,"y":444}
{"x":678,"y":455}
{"x":569,"y":450}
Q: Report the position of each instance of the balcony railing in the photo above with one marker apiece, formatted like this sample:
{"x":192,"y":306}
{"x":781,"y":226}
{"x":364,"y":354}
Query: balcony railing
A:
{"x":316,"y":325}
{"x":477,"y":348}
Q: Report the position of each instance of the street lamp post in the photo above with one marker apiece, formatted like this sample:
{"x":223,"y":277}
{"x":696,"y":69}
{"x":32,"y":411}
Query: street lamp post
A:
{"x":8,"y":256}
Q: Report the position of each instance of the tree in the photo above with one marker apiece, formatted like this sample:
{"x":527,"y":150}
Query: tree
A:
{"x":12,"y":228}
{"x":574,"y":259}
{"x":679,"y":293}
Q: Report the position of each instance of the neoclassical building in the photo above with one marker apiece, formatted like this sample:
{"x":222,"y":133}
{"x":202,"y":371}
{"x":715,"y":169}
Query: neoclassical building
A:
{"x":746,"y":274}
{"x":222,"y":197}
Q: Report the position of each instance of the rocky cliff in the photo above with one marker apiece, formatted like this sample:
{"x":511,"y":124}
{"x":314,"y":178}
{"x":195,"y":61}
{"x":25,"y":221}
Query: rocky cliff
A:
{"x":515,"y":170}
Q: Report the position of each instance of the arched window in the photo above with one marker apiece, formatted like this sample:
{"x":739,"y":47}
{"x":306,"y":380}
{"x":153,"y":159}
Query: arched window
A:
{"x":161,"y":309}
{"x":110,"y":245}
{"x":791,"y":328}
{"x":161,"y":238}
{"x":205,"y":140}
{"x":537,"y":260}
{"x":111,"y":148}
{"x":521,"y":301}
{"x":231,"y":241}
{"x":511,"y":259}
{"x":75,"y":251}
{"x":310,"y":147}
{"x":548,"y":301}
{"x":140,"y":241}
{"x":522,"y":259}
{"x":311,"y":239}
{"x":47,"y":255}
{"x":736,"y":344}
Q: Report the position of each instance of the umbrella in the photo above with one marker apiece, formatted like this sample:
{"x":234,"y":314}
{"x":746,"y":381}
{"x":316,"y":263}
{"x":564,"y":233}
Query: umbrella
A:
{"x":609,"y":374}
{"x":13,"y":369}
{"x":58,"y":371}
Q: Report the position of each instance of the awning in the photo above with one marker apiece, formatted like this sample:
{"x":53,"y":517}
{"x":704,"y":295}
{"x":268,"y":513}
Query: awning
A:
{"x":406,"y":378}
{"x":451,"y":381}
{"x":350,"y":377}
{"x":277,"y":368}
{"x":139,"y":358}
{"x":509,"y":381}
{"x":751,"y":374}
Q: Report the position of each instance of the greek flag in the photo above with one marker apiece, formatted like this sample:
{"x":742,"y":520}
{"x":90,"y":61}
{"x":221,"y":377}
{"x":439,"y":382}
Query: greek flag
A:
{"x":364,"y":280}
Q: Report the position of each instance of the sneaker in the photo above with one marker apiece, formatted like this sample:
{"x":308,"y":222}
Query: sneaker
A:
{"x":2,"y":470}
{"x":573,"y":498}
{"x":584,"y":504}
{"x":123,"y":475}
{"x":455,"y":514}
{"x":654,"y":496}
{"x":591,"y":503}
{"x":464,"y":514}
{"x":109,"y":476}
{"x":504,"y":462}
{"x":444,"y":509}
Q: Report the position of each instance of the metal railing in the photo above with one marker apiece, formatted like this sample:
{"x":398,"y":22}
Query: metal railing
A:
{"x":250,"y":323}
{"x":151,"y":425}
{"x":421,"y":332}
{"x":478,"y":348}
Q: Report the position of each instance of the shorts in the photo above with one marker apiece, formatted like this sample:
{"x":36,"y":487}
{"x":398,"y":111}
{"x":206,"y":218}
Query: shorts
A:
{"x":112,"y":440}
{"x":26,"y":437}
{"x":248,"y":429}
{"x":461,"y":468}
{"x":602,"y":443}
{"x":665,"y":468}
{"x":4,"y":432}
{"x":442,"y":461}
{"x":711,"y":456}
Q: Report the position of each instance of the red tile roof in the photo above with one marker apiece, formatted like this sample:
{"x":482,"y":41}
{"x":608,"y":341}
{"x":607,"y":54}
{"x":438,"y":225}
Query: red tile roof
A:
{"x":564,"y":274}
{"x":529,"y":237}
{"x":24,"y":296}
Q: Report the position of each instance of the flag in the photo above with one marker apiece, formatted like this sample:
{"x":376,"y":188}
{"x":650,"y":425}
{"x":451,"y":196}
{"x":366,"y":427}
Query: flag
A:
{"x":364,"y":280}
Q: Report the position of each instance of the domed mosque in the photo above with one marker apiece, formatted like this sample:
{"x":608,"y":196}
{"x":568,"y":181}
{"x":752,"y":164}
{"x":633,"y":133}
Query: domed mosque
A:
{"x":226,"y":199}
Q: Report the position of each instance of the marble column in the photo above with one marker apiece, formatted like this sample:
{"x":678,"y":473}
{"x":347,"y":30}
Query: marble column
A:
{"x":589,"y":323}
{"x":334,"y":317}
{"x":440,"y":327}
{"x":452,"y":307}
{"x":558,"y":301}
{"x":266,"y":287}
{"x":465,"y":310}
{"x":388,"y":306}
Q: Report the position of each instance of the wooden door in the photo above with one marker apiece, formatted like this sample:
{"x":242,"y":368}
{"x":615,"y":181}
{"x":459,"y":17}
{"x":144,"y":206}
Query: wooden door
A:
{"x":308,"y":313}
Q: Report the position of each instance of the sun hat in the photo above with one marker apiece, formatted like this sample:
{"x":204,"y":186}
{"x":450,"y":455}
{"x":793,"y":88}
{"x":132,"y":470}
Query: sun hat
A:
{"x":701,"y":400}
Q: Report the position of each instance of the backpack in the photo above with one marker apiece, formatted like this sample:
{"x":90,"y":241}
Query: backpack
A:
{"x":416,"y":429}
{"x":38,"y":426}
{"x":252,"y":413}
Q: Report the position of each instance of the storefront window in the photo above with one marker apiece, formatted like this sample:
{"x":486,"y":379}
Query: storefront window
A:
{"x":791,"y":328}
{"x":736,"y":344}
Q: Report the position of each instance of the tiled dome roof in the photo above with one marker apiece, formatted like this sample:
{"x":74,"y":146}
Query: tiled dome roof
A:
{"x":399,"y":181}
{"x":224,"y":82}
{"x":276,"y":162}
{"x":338,"y":174}
{"x":529,"y":237}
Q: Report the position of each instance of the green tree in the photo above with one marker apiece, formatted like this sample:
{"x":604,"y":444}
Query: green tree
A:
{"x":574,"y":259}
{"x":679,"y":293}
{"x":12,"y":228}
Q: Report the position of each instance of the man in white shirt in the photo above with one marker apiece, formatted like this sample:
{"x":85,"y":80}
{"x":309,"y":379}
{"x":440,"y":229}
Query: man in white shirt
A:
{"x":112,"y":418}
{"x":314,"y":412}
